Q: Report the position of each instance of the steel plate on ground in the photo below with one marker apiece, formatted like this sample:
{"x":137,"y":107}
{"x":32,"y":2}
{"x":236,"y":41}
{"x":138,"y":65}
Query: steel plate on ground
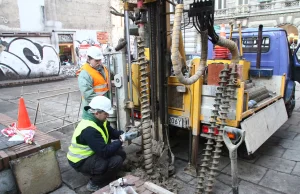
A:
{"x":260,"y":126}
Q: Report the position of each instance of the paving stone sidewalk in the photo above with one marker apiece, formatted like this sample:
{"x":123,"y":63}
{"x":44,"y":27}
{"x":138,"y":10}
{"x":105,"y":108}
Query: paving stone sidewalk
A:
{"x":276,"y":169}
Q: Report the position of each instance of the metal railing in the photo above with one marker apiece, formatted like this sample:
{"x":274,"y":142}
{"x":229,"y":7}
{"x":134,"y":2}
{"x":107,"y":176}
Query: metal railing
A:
{"x":63,"y":113}
{"x":273,"y":7}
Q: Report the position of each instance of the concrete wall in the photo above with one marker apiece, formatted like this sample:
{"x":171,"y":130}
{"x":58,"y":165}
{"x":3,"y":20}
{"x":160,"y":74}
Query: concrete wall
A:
{"x":27,"y":58}
{"x":82,"y":19}
{"x":85,"y":15}
{"x":31,"y":15}
{"x":9,"y":15}
{"x":88,"y":14}
{"x":117,"y":23}
{"x":69,"y":15}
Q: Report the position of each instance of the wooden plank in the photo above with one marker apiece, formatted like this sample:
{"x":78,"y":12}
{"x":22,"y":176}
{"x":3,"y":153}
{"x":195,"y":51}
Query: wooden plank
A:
{"x":11,"y":153}
{"x":27,"y":150}
{"x":42,"y":140}
{"x":5,"y":159}
{"x":156,"y":189}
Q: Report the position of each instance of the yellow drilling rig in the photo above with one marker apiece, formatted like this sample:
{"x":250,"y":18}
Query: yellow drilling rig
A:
{"x":158,"y":88}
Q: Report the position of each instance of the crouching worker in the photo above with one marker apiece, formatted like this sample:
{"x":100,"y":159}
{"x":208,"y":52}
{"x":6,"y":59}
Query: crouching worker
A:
{"x":91,"y":151}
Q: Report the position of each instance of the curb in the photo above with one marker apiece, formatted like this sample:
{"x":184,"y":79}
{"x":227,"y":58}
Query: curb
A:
{"x":12,"y":83}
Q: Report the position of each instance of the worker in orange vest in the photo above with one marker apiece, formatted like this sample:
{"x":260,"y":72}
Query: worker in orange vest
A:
{"x":93,"y":76}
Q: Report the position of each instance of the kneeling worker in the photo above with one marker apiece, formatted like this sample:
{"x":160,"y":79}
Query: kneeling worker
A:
{"x":91,"y":151}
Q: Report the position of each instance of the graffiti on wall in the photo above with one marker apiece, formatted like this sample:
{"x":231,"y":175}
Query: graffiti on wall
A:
{"x":3,"y":19}
{"x":81,"y":49}
{"x":69,"y":71}
{"x":24,"y":58}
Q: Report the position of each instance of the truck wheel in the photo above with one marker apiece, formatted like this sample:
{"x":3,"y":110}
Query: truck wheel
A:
{"x":290,"y":106}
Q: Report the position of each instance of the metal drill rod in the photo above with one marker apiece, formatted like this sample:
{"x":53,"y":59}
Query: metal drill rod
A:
{"x":223,"y":101}
{"x":129,"y":61}
{"x":233,"y":154}
{"x":109,"y":78}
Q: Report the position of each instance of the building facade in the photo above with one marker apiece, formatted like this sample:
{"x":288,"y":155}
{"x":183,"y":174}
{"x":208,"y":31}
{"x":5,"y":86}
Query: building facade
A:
{"x":251,"y":13}
{"x":38,"y":30}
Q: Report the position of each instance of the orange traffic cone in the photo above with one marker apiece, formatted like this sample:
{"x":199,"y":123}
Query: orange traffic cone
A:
{"x":23,"y":118}
{"x":223,"y":31}
{"x":221,"y":52}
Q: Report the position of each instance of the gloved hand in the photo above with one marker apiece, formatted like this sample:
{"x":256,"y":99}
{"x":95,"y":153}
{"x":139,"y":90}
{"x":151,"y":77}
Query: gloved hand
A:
{"x":128,"y":136}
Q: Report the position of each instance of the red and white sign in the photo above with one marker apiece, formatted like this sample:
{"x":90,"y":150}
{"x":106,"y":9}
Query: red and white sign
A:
{"x":102,"y":37}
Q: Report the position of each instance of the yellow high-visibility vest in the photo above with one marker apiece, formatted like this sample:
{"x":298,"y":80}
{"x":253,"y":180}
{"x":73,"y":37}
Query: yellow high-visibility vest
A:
{"x":79,"y":152}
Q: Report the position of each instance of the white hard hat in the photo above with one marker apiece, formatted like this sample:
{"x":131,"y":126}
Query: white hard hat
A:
{"x":101,"y":103}
{"x":95,"y":53}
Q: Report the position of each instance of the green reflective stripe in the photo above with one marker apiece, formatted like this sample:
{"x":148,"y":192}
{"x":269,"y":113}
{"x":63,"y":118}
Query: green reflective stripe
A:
{"x":101,"y":86}
{"x":105,"y":127}
{"x":81,"y":151}
{"x":86,"y":148}
{"x":77,"y":155}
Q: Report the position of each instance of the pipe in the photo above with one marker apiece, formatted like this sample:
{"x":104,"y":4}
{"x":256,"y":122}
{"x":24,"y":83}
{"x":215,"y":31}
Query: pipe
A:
{"x":261,"y":97}
{"x":176,"y":58}
{"x":153,"y":67}
{"x":190,"y":144}
{"x":232,"y":48}
{"x":109,"y":78}
{"x":258,"y":92}
{"x":195,"y":147}
{"x":259,"y":42}
{"x":122,"y":43}
{"x":241,"y":42}
{"x":126,"y":16}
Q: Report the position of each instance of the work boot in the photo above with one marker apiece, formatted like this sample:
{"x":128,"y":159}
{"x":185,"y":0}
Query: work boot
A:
{"x":92,"y":187}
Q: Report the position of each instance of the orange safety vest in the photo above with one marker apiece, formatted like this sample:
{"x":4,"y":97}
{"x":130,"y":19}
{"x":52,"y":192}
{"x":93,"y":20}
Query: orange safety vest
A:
{"x":100,"y":85}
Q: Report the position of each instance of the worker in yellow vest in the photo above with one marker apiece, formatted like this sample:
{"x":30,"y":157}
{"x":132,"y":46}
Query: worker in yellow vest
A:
{"x":93,"y":76}
{"x":91,"y":151}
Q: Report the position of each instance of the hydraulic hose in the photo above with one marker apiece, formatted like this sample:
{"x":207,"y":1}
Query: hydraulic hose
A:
{"x":232,"y":48}
{"x":176,"y":58}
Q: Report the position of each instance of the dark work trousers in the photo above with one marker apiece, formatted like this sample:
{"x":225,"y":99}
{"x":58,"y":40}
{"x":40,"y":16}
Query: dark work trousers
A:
{"x":103,"y":171}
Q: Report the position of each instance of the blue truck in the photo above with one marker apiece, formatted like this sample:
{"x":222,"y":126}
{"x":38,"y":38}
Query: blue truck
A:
{"x":276,"y":56}
{"x":265,"y":93}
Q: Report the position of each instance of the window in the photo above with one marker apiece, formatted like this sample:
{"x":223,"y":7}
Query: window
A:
{"x":43,"y":14}
{"x":220,"y":4}
{"x":250,"y":44}
{"x":243,"y":2}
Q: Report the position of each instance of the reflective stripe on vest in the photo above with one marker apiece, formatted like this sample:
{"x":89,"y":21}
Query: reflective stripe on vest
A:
{"x":100,"y":85}
{"x":77,"y":151}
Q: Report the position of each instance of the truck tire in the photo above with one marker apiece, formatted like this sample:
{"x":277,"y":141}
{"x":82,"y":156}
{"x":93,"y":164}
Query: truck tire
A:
{"x":290,"y":105}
